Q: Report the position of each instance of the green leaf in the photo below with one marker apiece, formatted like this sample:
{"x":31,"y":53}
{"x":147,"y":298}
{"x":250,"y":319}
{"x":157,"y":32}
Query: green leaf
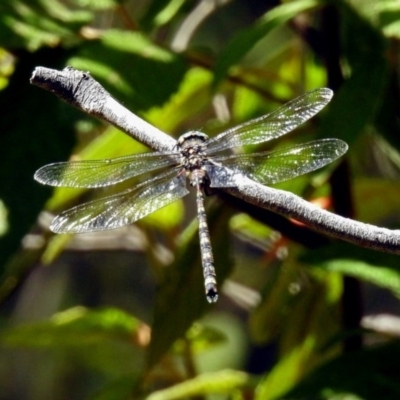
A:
{"x":336,"y":121}
{"x":222,"y":382}
{"x":107,"y":341}
{"x":287,"y":371}
{"x":160,"y":12}
{"x":136,"y":71}
{"x":74,"y":327}
{"x":371,"y":206}
{"x":363,"y":375}
{"x":365,"y":46}
{"x":3,"y":219}
{"x":186,"y":104}
{"x":97,"y":4}
{"x":34,"y":24}
{"x":301,"y":319}
{"x":201,"y":338}
{"x":384,"y":15}
{"x":246,"y":39}
{"x":121,"y":388}
{"x":375,"y":267}
{"x":379,"y":275}
{"x":268,"y":318}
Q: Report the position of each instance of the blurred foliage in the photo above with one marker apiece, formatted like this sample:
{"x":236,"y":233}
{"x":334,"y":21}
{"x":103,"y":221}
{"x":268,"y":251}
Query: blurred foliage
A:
{"x":123,"y":315}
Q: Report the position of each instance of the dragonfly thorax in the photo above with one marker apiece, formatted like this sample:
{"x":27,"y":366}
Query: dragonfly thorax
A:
{"x":192,"y":147}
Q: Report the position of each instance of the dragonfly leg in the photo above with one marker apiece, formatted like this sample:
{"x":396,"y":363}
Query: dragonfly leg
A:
{"x":207,"y":259}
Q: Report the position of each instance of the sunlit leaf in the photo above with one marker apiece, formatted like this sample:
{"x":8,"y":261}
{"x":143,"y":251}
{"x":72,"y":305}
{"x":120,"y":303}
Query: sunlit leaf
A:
{"x":287,"y":372}
{"x":97,"y":4}
{"x":212,"y":383}
{"x":3,"y":219}
{"x":160,"y":12}
{"x":193,"y":96}
{"x":33,"y":24}
{"x":245,"y":40}
{"x":380,"y":275}
{"x":132,"y":67}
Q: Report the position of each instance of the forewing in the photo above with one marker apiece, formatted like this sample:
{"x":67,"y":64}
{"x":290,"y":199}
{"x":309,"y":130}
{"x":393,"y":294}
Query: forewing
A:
{"x":124,"y":208}
{"x":283,"y":164}
{"x":98,"y":173}
{"x":274,"y":124}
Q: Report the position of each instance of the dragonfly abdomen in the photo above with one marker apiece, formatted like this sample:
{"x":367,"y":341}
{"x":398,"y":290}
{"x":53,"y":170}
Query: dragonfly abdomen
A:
{"x":207,"y":259}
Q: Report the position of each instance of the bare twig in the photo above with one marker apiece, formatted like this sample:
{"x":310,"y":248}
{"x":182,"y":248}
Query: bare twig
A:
{"x":290,"y":205}
{"x":81,"y":90}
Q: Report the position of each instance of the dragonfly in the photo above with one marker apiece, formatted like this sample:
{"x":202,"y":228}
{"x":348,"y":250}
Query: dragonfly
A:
{"x":204,"y":162}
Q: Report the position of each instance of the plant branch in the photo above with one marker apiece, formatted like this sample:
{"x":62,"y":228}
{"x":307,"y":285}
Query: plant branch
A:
{"x":82,"y":91}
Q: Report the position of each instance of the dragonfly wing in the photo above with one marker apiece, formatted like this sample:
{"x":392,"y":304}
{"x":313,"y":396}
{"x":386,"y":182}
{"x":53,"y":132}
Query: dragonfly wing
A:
{"x":123,"y":208}
{"x":220,"y":176}
{"x":283,"y":164}
{"x":99,"y":173}
{"x":274,"y":124}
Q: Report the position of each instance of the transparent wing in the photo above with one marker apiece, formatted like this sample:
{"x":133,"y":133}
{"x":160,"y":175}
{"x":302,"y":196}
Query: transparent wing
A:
{"x":283,"y":164}
{"x":274,"y":124}
{"x":221,"y":176}
{"x":98,"y":173}
{"x":124,"y":208}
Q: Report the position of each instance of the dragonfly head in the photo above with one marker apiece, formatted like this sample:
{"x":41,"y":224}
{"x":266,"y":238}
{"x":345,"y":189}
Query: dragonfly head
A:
{"x":192,"y":139}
